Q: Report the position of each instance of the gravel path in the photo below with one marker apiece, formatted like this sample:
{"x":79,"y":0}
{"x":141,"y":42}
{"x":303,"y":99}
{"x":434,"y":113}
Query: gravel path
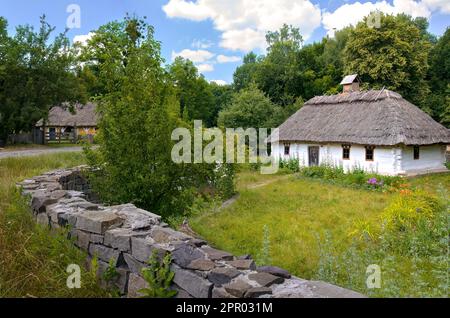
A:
{"x":36,"y":152}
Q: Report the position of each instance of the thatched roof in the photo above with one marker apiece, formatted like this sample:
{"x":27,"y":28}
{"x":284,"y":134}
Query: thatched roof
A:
{"x":84,"y":116}
{"x":375,"y":117}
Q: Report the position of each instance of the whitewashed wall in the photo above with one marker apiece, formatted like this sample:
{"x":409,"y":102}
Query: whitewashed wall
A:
{"x":387,"y":160}
{"x":431,"y":157}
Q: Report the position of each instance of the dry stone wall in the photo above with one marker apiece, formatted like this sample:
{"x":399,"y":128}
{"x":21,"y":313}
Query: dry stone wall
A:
{"x":127,"y":236}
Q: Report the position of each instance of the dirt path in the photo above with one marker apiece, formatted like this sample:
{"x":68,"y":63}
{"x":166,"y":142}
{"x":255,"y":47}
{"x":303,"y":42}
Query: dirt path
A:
{"x":36,"y":152}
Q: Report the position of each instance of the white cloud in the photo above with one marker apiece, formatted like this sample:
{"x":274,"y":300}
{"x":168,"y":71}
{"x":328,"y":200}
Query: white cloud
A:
{"x":219,"y":82}
{"x":202,"y":44}
{"x":83,"y":38}
{"x":206,"y":67}
{"x":186,"y":10}
{"x":196,"y":56}
{"x":351,"y":14}
{"x":227,"y":59}
{"x":441,"y":5}
{"x":244,"y":23}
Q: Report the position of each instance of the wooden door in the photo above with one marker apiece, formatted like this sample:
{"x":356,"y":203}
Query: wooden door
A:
{"x":313,"y":156}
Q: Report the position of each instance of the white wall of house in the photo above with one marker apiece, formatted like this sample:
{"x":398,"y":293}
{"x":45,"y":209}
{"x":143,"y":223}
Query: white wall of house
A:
{"x":430,"y":157}
{"x":387,"y":160}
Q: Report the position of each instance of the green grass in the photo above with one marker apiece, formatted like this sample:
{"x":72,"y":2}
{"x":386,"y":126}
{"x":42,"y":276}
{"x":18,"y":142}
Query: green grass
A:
{"x":33,"y":260}
{"x":298,"y":212}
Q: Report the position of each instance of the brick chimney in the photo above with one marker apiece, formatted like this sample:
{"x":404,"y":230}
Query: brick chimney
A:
{"x":350,"y":83}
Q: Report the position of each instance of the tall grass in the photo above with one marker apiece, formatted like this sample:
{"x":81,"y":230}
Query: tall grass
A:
{"x":33,"y":260}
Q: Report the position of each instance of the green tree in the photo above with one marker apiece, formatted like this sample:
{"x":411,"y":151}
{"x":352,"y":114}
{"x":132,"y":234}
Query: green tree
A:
{"x":245,"y":74}
{"x":394,"y":56}
{"x":278,"y":74}
{"x":251,"y":108}
{"x":222,"y":97}
{"x":35,"y":75}
{"x":135,"y":125}
{"x":194,"y":92}
{"x":439,"y":79}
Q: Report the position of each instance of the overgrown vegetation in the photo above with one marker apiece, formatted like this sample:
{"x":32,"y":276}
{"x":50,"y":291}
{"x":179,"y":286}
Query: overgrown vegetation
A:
{"x":159,"y":277}
{"x":409,"y":243}
{"x":33,"y":260}
{"x":321,"y":230}
{"x":139,"y":112}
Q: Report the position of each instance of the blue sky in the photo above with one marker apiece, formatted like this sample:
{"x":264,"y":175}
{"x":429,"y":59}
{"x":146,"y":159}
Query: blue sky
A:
{"x":216,"y":34}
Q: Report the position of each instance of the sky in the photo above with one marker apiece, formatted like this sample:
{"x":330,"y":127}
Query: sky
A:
{"x":216,"y":34}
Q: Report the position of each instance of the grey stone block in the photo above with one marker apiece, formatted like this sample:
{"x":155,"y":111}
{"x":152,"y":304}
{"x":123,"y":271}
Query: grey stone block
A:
{"x":266,"y":279}
{"x":217,"y":255}
{"x":276,"y":271}
{"x":97,"y":221}
{"x":221,"y":276}
{"x":135,"y":284}
{"x":104,"y":253}
{"x":237,"y":288}
{"x":192,"y":283}
{"x":185,"y":253}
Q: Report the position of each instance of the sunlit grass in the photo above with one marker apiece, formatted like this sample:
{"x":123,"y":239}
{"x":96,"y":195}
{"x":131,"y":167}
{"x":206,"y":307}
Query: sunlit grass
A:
{"x":33,"y":260}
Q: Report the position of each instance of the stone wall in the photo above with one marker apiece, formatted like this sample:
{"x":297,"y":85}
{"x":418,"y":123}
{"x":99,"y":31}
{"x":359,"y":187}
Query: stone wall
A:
{"x":128,"y":235}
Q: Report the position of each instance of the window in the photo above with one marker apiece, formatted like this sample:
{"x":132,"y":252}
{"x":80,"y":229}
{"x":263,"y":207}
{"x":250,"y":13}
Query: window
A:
{"x":416,"y":153}
{"x":369,"y":153}
{"x":287,"y":149}
{"x":346,"y":152}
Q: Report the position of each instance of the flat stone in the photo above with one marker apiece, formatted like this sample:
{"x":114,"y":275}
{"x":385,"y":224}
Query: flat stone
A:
{"x":326,"y":290}
{"x":256,"y":292}
{"x":134,"y":265}
{"x":220,"y":292}
{"x":217,"y":255}
{"x":244,"y":264}
{"x":195,"y":285}
{"x":83,"y":204}
{"x":43,"y":219}
{"x":135,"y":284}
{"x":135,"y":218}
{"x":40,"y":201}
{"x":246,"y":256}
{"x":237,"y":288}
{"x":185,"y":253}
{"x":104,"y":253}
{"x":167,"y":235}
{"x":276,"y":271}
{"x":82,"y":240}
{"x":266,"y":279}
{"x":201,"y":265}
{"x":97,"y":221}
{"x":223,"y":275}
{"x":142,"y":248}
{"x":96,"y":238}
{"x":197,"y":242}
{"x":119,"y":238}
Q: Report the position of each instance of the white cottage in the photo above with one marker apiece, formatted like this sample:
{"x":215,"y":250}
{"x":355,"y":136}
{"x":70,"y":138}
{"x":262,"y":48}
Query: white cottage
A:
{"x":376,"y":130}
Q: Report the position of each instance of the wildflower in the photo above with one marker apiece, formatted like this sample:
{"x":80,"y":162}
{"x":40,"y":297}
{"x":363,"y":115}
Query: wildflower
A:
{"x":372,"y":181}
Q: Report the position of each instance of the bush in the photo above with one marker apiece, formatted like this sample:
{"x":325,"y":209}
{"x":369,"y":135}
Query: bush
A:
{"x":357,"y":177}
{"x":410,"y":245}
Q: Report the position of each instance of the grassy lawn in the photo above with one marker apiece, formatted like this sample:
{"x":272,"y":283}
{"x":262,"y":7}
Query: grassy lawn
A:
{"x":33,"y":261}
{"x":296,"y":211}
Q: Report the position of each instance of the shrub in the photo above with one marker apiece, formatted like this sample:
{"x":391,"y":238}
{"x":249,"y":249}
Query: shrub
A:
{"x":159,"y":277}
{"x":410,"y":244}
{"x":356,"y":177}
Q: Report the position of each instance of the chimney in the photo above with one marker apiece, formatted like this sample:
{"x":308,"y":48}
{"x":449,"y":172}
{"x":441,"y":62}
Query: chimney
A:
{"x":350,"y":83}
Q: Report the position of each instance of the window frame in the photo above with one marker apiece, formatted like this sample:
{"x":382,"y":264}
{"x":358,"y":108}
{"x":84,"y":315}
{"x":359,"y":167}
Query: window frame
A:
{"x":416,"y":153}
{"x":288,"y":148}
{"x":344,"y":148}
{"x":372,"y":149}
